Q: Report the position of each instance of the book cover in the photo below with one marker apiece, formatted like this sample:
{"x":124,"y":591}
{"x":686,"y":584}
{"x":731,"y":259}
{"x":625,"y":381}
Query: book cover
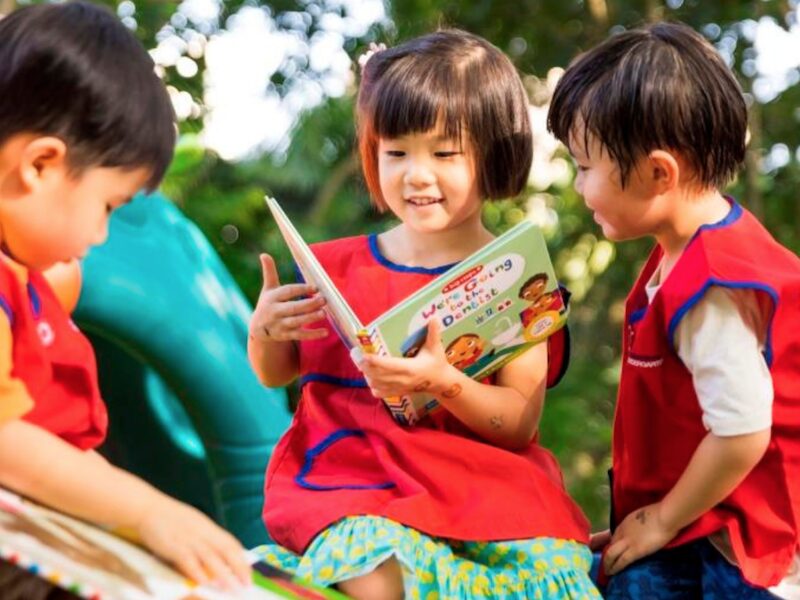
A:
{"x":93,"y":563}
{"x":491,"y":307}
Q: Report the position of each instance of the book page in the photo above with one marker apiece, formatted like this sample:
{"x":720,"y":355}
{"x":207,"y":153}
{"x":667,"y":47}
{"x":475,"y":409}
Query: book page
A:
{"x":339,"y":313}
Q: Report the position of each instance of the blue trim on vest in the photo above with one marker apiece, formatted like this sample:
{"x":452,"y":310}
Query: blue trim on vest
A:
{"x":637,"y":315}
{"x":314,"y":452}
{"x":7,"y":309}
{"x":36,"y":301}
{"x":736,"y":285}
{"x":333,"y":380}
{"x":376,"y":253}
{"x":733,"y":215}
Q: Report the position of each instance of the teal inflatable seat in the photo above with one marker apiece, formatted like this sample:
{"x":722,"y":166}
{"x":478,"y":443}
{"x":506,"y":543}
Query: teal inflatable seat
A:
{"x":169,"y":326}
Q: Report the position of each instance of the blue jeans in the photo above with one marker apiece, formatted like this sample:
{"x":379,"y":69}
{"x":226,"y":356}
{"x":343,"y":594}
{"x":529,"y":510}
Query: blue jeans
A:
{"x":695,"y":570}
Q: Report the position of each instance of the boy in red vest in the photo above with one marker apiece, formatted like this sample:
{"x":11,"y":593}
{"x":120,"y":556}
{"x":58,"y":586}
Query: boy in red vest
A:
{"x":706,"y":446}
{"x":84,"y":124}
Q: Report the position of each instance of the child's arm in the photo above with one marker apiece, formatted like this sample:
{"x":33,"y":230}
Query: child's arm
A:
{"x":40,"y":465}
{"x":720,"y":341}
{"x":277,"y":322}
{"x":506,"y":414}
{"x":718,"y":465}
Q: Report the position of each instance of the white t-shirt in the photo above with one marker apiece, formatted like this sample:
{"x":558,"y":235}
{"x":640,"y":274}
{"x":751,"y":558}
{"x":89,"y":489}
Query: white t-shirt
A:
{"x":721,"y":342}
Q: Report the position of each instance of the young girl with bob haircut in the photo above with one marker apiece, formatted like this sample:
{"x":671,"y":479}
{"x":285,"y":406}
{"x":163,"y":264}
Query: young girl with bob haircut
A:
{"x":465,"y":503}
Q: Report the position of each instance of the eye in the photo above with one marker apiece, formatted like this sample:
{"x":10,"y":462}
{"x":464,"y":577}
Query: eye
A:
{"x":395,"y":153}
{"x":446,"y":153}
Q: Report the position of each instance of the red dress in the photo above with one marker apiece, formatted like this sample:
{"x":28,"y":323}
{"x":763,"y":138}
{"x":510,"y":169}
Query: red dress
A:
{"x":344,"y":455}
{"x":54,"y":360}
{"x":658,"y":422}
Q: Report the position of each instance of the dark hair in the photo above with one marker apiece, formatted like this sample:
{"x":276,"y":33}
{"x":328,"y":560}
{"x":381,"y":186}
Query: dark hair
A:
{"x":75,"y":72}
{"x":462,"y":79}
{"x":531,"y":280}
{"x":662,"y":86}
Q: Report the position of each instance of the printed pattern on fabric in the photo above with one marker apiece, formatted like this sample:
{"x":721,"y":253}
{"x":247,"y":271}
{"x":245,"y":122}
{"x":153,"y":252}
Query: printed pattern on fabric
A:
{"x":434,"y":568}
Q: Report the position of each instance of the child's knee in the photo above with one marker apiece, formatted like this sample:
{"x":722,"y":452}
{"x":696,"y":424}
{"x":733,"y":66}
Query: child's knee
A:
{"x":384,"y":583}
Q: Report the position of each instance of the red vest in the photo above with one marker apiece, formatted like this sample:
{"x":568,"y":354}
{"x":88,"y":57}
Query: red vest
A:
{"x":658,"y":422}
{"x":344,"y":455}
{"x":54,"y":360}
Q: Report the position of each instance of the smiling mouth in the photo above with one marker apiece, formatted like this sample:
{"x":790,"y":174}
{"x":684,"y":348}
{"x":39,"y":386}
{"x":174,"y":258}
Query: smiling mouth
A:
{"x":424,"y":201}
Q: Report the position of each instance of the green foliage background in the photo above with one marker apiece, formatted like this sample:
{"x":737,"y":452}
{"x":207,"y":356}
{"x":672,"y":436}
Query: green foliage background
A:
{"x":317,"y":178}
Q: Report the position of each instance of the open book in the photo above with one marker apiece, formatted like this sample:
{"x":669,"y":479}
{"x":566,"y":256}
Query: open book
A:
{"x":491,"y":307}
{"x":93,"y":563}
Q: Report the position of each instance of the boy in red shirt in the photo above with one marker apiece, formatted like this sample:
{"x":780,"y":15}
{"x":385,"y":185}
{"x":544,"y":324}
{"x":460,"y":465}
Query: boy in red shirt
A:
{"x":706,"y":446}
{"x":84,"y":124}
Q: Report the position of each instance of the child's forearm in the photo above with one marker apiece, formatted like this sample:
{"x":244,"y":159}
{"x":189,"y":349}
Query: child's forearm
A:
{"x":38,"y":464}
{"x":499,"y":414}
{"x":718,"y":465}
{"x":275,"y":362}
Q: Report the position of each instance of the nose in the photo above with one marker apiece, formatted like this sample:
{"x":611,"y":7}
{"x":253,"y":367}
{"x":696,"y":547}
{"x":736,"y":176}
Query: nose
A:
{"x":419,"y":173}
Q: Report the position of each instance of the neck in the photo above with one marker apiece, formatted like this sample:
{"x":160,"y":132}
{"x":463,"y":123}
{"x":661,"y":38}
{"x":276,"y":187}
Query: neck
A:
{"x":690,"y":212}
{"x":406,"y":246}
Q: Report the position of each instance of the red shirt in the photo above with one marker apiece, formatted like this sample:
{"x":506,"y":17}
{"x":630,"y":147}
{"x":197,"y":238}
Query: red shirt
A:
{"x":53,"y":360}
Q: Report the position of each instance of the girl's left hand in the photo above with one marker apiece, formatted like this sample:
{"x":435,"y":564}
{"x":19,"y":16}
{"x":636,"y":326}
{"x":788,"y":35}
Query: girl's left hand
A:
{"x":388,"y":376}
{"x":640,"y":534}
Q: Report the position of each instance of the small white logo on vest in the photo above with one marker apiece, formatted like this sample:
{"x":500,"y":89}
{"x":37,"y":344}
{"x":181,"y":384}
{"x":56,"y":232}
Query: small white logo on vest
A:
{"x":46,"y":334}
{"x":645,"y":363}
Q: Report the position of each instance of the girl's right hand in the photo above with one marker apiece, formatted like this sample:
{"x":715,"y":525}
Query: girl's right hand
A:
{"x":283,"y":311}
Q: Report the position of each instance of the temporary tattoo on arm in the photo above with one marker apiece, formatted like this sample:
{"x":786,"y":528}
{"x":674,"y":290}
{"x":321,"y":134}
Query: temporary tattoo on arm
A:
{"x":641,"y":516}
{"x":421,"y":387}
{"x":496,"y":422}
{"x":451,"y":392}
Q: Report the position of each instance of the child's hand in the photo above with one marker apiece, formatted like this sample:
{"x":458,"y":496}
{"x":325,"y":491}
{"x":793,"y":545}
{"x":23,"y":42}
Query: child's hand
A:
{"x":640,"y":534}
{"x":278,"y":315}
{"x":389,"y":376}
{"x":200,"y":549}
{"x":599,"y":540}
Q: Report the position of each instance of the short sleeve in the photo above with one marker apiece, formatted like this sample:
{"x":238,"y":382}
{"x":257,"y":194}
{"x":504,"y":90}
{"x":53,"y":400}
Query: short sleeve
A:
{"x":720,"y":340}
{"x":15,"y":400}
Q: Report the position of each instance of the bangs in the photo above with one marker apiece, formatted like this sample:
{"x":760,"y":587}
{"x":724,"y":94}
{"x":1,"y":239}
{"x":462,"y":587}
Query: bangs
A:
{"x":415,"y":100}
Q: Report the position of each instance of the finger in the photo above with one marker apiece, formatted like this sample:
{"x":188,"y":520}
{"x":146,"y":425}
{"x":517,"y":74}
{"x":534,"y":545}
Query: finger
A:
{"x":293,"y":308}
{"x":433,"y":338}
{"x":216,"y":565}
{"x":622,"y":562}
{"x":189,"y":564}
{"x":310,"y":334}
{"x":612,"y":554}
{"x":269,"y":273}
{"x":599,"y":540}
{"x":292,"y":291}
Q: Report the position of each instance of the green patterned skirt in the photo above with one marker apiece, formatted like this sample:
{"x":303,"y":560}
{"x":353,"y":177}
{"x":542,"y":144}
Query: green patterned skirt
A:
{"x":434,"y":568}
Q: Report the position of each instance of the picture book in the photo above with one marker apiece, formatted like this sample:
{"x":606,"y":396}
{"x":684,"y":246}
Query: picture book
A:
{"x":491,"y":307}
{"x":90,"y":562}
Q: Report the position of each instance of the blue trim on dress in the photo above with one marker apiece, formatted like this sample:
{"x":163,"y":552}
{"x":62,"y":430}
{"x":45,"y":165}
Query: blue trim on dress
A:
{"x":376,"y":254}
{"x":36,"y":301}
{"x":314,"y":452}
{"x":7,"y":309}
{"x":333,"y":380}
{"x":737,"y":285}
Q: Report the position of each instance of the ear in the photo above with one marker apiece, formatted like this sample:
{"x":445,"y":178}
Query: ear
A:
{"x":663,"y":171}
{"x":40,"y":159}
